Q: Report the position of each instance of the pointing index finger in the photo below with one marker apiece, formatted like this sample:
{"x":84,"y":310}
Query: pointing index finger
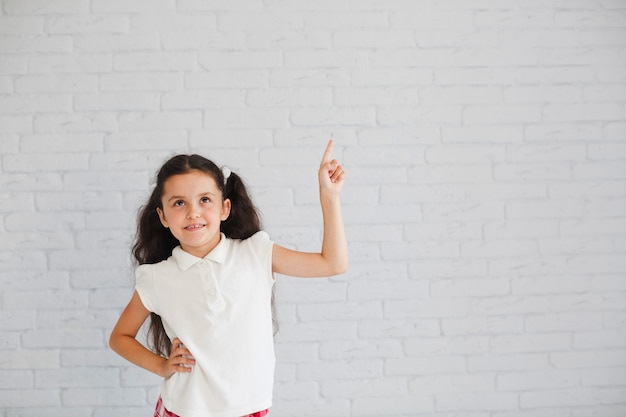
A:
{"x":328,"y":152}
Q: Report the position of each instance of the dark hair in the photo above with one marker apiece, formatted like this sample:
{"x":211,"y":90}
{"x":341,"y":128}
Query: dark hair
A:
{"x":154,"y":243}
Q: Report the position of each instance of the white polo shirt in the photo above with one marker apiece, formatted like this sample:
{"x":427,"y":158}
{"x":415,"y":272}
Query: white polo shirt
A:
{"x":220,"y":308}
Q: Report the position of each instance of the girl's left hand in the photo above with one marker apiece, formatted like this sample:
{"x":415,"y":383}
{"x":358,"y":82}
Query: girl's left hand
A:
{"x":331,"y":174}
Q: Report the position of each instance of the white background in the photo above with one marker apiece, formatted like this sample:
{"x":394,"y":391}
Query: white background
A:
{"x":485,"y":205}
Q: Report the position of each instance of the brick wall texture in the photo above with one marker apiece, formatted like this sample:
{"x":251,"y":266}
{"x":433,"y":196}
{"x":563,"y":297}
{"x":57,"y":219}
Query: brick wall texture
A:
{"x":485,"y":207}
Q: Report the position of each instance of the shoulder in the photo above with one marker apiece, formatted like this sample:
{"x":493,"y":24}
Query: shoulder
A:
{"x":259,"y":238}
{"x":145,"y":271}
{"x":257,"y":246}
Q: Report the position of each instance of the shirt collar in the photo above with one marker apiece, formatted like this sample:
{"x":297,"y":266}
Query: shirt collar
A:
{"x":185,"y":260}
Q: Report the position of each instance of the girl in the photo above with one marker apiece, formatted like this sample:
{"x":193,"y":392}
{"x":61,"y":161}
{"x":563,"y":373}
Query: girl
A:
{"x":205,"y":278}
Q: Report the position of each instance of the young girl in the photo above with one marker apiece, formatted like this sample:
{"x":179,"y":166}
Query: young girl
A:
{"x":205,"y":278}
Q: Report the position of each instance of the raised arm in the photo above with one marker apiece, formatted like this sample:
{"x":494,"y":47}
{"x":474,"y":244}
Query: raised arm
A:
{"x":333,"y":258}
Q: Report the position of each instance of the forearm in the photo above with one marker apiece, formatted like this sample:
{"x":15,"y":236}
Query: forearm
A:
{"x":133,"y":351}
{"x":334,"y":244}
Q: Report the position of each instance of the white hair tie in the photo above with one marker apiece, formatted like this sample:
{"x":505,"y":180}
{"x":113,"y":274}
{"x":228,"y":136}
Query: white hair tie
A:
{"x":226,"y":173}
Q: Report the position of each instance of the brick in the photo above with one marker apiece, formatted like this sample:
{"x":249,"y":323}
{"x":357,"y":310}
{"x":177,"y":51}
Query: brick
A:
{"x":27,"y":7}
{"x":452,"y":38}
{"x":509,"y":305}
{"x":353,"y":369}
{"x":52,"y":412}
{"x":364,"y":388}
{"x":287,"y":40}
{"x":232,"y":78}
{"x":493,"y":401}
{"x":155,"y":61}
{"x":404,"y":404}
{"x":250,"y":118}
{"x":318,"y":331}
{"x":457,"y":20}
{"x":398,"y":289}
{"x":398,"y":328}
{"x":530,"y":343}
{"x":117,"y":101}
{"x":73,"y":397}
{"x":213,"y":5}
{"x":16,"y":379}
{"x":424,"y":366}
{"x":598,"y":339}
{"x":71,"y":63}
{"x":360,"y":350}
{"x":118,"y":6}
{"x":344,"y":310}
{"x":35,"y":398}
{"x":298,"y":390}
{"x":174,"y":120}
{"x":373,"y":38}
{"x":87,"y":24}
{"x":426,"y":308}
{"x":21,"y":25}
{"x":484,"y":287}
{"x":138,"y":377}
{"x":436,"y":385}
{"x":509,"y":114}
{"x":391,"y":77}
{"x":509,"y":362}
{"x":141,"y":82}
{"x":346,"y":58}
{"x":452,"y":346}
{"x":76,"y":377}
{"x":482,"y":325}
{"x":115,"y":43}
{"x":604,"y":377}
{"x":139,"y":140}
{"x":568,"y":397}
{"x":588,"y":359}
{"x":289,"y":97}
{"x":338,"y":116}
{"x":482,"y":134}
{"x":309,"y":77}
{"x":451,"y":154}
{"x":16,"y":320}
{"x":35,"y":44}
{"x":239,"y":60}
{"x":562,"y":322}
{"x":16,"y":124}
{"x":463,"y":211}
{"x":43,"y":162}
{"x":339,"y":20}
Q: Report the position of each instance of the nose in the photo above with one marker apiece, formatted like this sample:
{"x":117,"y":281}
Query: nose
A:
{"x":193,"y":213}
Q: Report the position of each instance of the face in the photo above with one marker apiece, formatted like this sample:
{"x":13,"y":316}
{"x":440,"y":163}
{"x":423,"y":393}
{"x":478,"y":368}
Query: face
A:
{"x":193,"y":208}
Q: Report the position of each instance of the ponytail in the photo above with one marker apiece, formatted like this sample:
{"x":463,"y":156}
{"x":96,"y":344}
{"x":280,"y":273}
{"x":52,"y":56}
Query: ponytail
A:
{"x":243,"y":220}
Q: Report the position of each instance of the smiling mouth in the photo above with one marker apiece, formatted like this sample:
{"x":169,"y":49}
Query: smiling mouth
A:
{"x":194,"y":227}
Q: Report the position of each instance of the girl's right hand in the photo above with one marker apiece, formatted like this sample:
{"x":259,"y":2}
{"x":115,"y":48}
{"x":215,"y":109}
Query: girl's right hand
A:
{"x":180,"y":359}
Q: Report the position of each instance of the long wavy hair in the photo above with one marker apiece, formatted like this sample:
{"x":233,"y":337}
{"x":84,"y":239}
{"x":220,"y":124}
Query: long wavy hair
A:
{"x":154,"y":243}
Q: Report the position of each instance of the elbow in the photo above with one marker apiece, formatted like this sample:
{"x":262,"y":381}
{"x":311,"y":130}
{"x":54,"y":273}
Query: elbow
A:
{"x":112,"y":341}
{"x":339,"y":268}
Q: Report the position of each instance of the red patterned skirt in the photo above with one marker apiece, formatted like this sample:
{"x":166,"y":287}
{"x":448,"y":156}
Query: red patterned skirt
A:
{"x":161,"y":411}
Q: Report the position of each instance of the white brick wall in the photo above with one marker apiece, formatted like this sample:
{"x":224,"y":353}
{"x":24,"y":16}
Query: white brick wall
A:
{"x":485,"y":204}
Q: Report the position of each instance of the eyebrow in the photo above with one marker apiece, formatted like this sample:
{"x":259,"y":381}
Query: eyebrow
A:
{"x":180,"y":197}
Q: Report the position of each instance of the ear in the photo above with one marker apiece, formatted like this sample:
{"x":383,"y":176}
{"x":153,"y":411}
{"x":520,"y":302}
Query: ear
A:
{"x":162,"y":217}
{"x":225,"y":209}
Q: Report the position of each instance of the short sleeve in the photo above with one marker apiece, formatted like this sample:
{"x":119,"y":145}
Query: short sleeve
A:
{"x":263,"y":247}
{"x":144,"y":285}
